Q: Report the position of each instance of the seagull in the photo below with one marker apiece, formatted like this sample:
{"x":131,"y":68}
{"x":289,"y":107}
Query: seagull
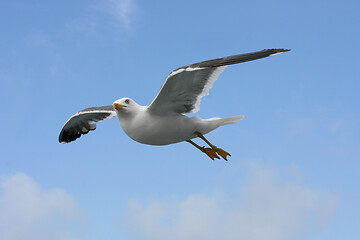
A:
{"x":163,"y":121}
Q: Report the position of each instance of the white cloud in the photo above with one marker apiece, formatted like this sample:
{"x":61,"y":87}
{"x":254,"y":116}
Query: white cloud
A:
{"x":28,"y":212}
{"x":262,"y":208}
{"x":124,"y":11}
{"x":118,"y":14}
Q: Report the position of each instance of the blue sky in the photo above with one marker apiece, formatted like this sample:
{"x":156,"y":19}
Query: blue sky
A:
{"x":294,"y":170}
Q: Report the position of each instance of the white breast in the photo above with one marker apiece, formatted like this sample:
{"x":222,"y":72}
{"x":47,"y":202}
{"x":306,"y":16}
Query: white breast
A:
{"x":158,"y":130}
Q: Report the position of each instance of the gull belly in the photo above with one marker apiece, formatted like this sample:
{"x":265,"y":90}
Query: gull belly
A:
{"x":152,"y":129}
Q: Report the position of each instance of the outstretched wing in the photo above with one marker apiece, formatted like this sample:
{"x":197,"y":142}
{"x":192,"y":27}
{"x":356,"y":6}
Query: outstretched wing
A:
{"x":81,"y":122}
{"x":185,"y":86}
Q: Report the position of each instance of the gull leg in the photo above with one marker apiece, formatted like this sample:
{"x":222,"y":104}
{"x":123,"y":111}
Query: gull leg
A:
{"x":220,"y":151}
{"x":208,"y":151}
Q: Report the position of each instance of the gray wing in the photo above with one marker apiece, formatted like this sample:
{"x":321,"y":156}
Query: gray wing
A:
{"x":185,"y":86}
{"x":81,"y":122}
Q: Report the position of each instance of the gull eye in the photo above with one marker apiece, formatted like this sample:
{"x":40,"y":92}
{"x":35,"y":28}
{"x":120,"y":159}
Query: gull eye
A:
{"x":127,"y":101}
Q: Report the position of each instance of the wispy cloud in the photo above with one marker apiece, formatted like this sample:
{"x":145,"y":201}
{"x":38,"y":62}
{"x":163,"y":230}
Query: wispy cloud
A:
{"x":264,"y":208}
{"x":28,"y":212}
{"x":116,"y":14}
{"x":124,"y":11}
{"x":336,"y":135}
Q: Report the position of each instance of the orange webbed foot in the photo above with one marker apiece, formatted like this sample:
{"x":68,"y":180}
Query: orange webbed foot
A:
{"x":210,"y":152}
{"x":222,"y":153}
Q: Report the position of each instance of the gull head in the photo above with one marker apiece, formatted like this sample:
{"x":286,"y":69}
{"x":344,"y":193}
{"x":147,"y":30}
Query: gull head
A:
{"x":125,"y":106}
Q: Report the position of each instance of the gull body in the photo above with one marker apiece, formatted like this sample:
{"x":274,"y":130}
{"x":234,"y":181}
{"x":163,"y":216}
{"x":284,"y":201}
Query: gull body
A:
{"x":153,"y":129}
{"x":164,"y":121}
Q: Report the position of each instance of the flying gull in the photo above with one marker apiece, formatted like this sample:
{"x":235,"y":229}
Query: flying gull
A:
{"x":163,"y":121}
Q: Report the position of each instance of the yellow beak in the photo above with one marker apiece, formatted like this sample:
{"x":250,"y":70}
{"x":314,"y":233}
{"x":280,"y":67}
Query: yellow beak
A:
{"x":118,"y":106}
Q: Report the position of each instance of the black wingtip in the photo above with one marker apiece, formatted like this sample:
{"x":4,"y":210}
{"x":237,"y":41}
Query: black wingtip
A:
{"x":286,"y":50}
{"x":275,"y":51}
{"x":69,"y":136}
{"x":280,"y":50}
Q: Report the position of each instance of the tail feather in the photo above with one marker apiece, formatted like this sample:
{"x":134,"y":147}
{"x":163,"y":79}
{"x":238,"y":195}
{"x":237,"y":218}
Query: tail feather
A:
{"x":209,"y":125}
{"x":230,"y":120}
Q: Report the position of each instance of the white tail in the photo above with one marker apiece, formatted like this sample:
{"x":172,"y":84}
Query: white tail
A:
{"x":230,"y":120}
{"x":213,"y":123}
